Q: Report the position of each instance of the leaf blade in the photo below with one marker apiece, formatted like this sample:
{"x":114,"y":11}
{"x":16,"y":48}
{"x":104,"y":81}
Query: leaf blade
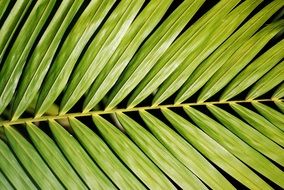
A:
{"x":141,"y":165}
{"x":272,"y":115}
{"x":161,"y":39}
{"x":267,"y":82}
{"x":11,"y":23}
{"x":260,"y":123}
{"x":16,"y":59}
{"x":12,"y":169}
{"x":100,"y":51}
{"x":213,"y":151}
{"x":206,"y":70}
{"x":54,"y":158}
{"x":236,"y":146}
{"x":184,"y":152}
{"x":41,"y":58}
{"x":159,"y":154}
{"x":100,"y":152}
{"x":70,"y":51}
{"x":249,"y":135}
{"x":239,"y":60}
{"x":86,"y":168}
{"x":31,"y":160}
{"x":254,"y":71}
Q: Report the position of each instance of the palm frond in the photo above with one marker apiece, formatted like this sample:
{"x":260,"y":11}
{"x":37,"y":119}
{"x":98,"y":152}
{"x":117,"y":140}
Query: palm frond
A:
{"x":12,"y":170}
{"x":11,"y":22}
{"x":279,"y":93}
{"x":42,"y":56}
{"x":280,"y":105}
{"x":141,"y":94}
{"x":31,"y":160}
{"x":14,"y":63}
{"x":267,"y":82}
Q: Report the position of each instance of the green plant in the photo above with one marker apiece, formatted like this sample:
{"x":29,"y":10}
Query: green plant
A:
{"x":156,"y":94}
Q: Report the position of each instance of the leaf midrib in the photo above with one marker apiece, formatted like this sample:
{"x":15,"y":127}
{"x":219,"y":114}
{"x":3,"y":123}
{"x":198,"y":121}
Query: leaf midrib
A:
{"x":101,"y":112}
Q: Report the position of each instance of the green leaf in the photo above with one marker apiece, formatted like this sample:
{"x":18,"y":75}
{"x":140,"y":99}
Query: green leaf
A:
{"x":207,"y":68}
{"x":280,"y":105}
{"x":255,"y":71}
{"x":70,"y":52}
{"x":42,"y":56}
{"x":185,"y":153}
{"x":31,"y":160}
{"x":104,"y":157}
{"x":4,"y":183}
{"x":258,"y":122}
{"x":79,"y":159}
{"x":190,"y":40}
{"x":100,"y":51}
{"x":4,"y":5}
{"x":160,"y":155}
{"x":237,"y":147}
{"x":132,"y":156}
{"x":270,"y":114}
{"x":61,"y":61}
{"x":215,"y":152}
{"x":222,"y":28}
{"x":239,"y":60}
{"x":151,"y":50}
{"x":271,"y":79}
{"x":54,"y":158}
{"x":11,"y":23}
{"x":249,"y":135}
{"x":13,"y":170}
{"x":279,"y":93}
{"x":14,"y":63}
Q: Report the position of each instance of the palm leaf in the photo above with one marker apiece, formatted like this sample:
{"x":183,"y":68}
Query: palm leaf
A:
{"x":141,"y":94}
{"x":207,"y":69}
{"x":280,"y":105}
{"x":146,"y":56}
{"x":17,"y":56}
{"x":242,"y":151}
{"x":13,"y":170}
{"x":11,"y":22}
{"x":279,"y":93}
{"x":100,"y":152}
{"x":184,"y":152}
{"x":31,"y":160}
{"x":42,"y":56}
{"x":4,"y":183}
{"x":54,"y":158}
